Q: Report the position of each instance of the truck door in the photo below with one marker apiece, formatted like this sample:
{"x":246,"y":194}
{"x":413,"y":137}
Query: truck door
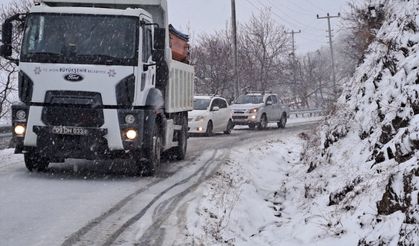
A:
{"x":147,"y":76}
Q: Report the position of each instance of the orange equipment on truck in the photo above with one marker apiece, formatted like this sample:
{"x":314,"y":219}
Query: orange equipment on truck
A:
{"x":179,"y":45}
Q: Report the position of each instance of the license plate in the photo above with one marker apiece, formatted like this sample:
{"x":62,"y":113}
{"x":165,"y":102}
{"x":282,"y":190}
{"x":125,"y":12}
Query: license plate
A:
{"x":65,"y":130}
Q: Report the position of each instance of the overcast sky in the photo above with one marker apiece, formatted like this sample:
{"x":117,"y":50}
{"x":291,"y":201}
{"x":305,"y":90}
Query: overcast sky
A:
{"x":207,"y":16}
{"x":201,"y":16}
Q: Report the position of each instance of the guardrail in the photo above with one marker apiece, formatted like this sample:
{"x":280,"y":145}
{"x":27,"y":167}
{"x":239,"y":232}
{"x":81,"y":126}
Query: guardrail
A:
{"x":307,"y":113}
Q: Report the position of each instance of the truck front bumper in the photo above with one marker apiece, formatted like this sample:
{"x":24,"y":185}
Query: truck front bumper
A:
{"x":92,"y":143}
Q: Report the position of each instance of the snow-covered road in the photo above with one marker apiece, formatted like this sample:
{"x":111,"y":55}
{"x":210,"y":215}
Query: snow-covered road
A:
{"x":86,"y":203}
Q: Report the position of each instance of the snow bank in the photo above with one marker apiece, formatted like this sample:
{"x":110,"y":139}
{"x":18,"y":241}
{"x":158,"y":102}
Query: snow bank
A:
{"x":366,"y":152}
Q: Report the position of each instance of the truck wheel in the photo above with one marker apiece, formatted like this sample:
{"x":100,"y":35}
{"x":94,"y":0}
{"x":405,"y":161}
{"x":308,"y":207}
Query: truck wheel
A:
{"x":263,"y":124}
{"x":252,"y":126}
{"x":282,"y":122}
{"x":210,"y":129}
{"x":152,"y":155}
{"x":230,"y":127}
{"x":180,"y":150}
{"x":35,"y":162}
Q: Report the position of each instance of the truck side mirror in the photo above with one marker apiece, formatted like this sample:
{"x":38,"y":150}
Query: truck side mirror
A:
{"x":268,"y":103}
{"x":159,"y":38}
{"x":7,"y":33}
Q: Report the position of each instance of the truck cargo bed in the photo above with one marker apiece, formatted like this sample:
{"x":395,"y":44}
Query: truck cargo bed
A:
{"x":179,"y":92}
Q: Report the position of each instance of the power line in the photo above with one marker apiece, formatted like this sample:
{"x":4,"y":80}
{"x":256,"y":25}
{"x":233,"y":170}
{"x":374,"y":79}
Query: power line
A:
{"x":314,"y":6}
{"x":290,"y":24}
{"x":280,"y":14}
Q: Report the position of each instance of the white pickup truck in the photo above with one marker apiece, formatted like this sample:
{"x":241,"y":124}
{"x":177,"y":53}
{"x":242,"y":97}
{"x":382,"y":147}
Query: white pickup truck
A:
{"x":258,"y":109}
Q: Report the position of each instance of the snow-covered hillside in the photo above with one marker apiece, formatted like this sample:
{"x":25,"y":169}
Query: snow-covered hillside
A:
{"x":365,"y":155}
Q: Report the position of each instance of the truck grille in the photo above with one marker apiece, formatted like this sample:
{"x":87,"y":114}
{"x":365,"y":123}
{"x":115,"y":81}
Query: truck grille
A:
{"x":67,"y":108}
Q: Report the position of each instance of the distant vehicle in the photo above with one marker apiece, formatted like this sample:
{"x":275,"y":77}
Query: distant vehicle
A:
{"x":258,"y":109}
{"x":97,"y":81}
{"x":210,"y":115}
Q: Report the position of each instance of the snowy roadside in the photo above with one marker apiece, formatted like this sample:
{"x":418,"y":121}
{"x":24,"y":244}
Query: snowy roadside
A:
{"x":265,"y":196}
{"x":245,"y":202}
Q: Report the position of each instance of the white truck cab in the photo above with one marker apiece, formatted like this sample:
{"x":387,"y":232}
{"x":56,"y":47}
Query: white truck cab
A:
{"x":97,"y":81}
{"x":257,"y":109}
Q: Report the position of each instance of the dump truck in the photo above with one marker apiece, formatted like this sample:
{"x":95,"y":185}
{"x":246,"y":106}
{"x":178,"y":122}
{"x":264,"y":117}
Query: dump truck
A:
{"x":97,"y":81}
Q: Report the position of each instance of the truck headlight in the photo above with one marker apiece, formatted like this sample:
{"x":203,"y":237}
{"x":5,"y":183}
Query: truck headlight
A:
{"x":21,"y":115}
{"x":131,"y":134}
{"x":253,"y":110}
{"x":129,"y":119}
{"x":20,"y":130}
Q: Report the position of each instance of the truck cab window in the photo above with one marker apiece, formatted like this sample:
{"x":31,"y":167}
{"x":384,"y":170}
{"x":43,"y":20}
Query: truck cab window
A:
{"x":80,"y":39}
{"x":147,"y":43}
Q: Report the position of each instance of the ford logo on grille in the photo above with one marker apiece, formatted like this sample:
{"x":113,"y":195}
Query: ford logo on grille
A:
{"x":72,"y":77}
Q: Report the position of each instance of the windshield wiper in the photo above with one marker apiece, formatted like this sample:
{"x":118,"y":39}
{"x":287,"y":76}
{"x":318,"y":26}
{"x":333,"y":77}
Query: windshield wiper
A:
{"x":49,"y":54}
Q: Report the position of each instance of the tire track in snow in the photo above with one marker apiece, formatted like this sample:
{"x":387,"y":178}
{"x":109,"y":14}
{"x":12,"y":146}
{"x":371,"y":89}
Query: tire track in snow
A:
{"x":112,"y":239}
{"x":82,"y":237}
{"x":155,"y":234}
{"x":76,"y":237}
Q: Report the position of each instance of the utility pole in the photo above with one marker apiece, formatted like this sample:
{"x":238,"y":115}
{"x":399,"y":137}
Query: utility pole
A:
{"x":236,"y":60}
{"x":328,"y":17}
{"x":294,"y":62}
{"x":293,"y":41}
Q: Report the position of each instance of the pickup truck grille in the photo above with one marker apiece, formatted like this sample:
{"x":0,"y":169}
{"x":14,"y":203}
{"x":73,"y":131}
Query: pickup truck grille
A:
{"x":239,"y":117}
{"x":65,"y":108}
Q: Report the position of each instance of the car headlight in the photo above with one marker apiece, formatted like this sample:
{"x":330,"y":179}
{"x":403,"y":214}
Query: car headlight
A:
{"x":199,"y":118}
{"x":253,"y":110}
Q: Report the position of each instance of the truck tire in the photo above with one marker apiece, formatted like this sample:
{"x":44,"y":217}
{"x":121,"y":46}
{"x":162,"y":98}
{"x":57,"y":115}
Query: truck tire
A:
{"x":210,"y":129}
{"x":180,"y":150}
{"x":283,"y":121}
{"x":152,"y":154}
{"x":252,"y":126}
{"x":263,"y":124}
{"x":35,"y":162}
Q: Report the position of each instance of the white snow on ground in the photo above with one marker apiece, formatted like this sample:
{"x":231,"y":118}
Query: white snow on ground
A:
{"x":264,"y":196}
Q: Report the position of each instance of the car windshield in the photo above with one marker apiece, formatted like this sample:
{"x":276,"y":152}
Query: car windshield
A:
{"x":81,"y":39}
{"x":249,"y":99}
{"x":201,"y":104}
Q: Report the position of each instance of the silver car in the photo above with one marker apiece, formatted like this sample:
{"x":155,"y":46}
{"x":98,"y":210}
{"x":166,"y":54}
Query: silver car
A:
{"x":259,"y":109}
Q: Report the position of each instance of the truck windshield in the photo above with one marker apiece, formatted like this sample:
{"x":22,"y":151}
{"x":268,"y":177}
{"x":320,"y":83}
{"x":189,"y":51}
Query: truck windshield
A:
{"x":81,"y":39}
{"x":201,"y":104}
{"x":249,"y":99}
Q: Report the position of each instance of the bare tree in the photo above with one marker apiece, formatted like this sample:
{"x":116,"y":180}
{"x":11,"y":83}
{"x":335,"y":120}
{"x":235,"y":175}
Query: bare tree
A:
{"x":265,"y":45}
{"x":213,"y":64}
{"x":8,"y":75}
